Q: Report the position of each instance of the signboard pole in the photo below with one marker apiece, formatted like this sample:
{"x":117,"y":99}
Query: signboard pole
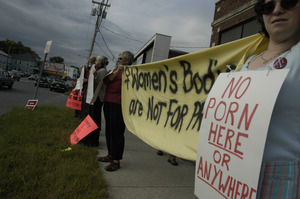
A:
{"x":46,"y":51}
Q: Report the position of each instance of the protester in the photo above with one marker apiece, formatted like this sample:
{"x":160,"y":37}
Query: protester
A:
{"x":82,"y":84}
{"x":280,"y":171}
{"x":78,"y":88}
{"x":114,"y":125}
{"x":95,"y":105}
{"x":86,"y":69}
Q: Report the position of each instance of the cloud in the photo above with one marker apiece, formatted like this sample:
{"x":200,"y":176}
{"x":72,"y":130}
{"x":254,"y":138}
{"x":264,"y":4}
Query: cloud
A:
{"x":128,"y":26}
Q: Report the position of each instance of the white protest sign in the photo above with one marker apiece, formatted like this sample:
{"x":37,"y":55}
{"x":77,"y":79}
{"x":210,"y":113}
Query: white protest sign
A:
{"x":233,"y":132}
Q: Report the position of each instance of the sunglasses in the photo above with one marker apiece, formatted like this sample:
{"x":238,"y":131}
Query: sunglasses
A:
{"x":268,"y":7}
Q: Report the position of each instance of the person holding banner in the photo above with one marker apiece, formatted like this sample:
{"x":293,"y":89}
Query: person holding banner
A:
{"x":114,"y":125}
{"x":280,"y":171}
{"x":98,"y":74}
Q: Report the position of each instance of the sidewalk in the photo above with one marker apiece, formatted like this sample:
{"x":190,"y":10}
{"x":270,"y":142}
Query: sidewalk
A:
{"x":146,"y":175}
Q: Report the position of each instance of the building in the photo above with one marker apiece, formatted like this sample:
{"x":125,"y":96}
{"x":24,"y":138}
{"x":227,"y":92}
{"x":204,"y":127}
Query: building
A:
{"x":156,"y":49}
{"x":57,"y":70}
{"x":72,"y":72}
{"x":5,"y":60}
{"x":233,"y":19}
{"x":27,"y":63}
{"x":60,"y":71}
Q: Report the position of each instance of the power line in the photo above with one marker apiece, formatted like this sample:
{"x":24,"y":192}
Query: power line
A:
{"x":101,"y":14}
{"x":122,"y":35}
{"x":112,"y":59}
{"x":88,"y":32}
{"x":106,"y":45}
{"x":145,"y":42}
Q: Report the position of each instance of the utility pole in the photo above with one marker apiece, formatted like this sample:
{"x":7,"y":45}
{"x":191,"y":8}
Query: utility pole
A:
{"x":101,"y":14}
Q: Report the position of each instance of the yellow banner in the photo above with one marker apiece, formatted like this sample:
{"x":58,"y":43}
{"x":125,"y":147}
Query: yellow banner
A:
{"x":162,"y":102}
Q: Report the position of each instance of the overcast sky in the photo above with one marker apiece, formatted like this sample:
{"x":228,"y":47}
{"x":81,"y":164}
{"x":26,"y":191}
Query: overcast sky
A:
{"x":128,"y":26}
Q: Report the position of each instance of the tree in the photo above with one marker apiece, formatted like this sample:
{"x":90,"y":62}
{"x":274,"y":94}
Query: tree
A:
{"x":56,"y":59}
{"x":12,"y":47}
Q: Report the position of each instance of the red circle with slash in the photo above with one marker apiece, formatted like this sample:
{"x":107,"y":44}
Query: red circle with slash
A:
{"x":280,"y":63}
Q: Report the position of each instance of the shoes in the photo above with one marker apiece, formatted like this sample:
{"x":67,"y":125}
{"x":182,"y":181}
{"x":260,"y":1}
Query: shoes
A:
{"x":112,"y":166}
{"x":107,"y":158}
{"x":173,"y":161}
{"x":160,"y":152}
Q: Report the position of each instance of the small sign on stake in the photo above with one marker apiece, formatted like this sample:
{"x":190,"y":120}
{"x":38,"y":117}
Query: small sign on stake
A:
{"x":31,"y":104}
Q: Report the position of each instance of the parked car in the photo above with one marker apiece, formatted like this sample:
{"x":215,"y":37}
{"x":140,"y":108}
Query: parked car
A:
{"x":15,"y":75}
{"x":5,"y":79}
{"x":27,"y":74}
{"x":43,"y":82}
{"x":71,"y":84}
{"x":50,"y":80}
{"x":21,"y":74}
{"x":33,"y":77}
{"x":59,"y":85}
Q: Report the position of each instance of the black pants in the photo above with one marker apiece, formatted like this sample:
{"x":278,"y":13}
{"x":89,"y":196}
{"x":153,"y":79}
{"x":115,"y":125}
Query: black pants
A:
{"x":84,"y":106}
{"x":114,"y":130}
{"x":92,"y":139}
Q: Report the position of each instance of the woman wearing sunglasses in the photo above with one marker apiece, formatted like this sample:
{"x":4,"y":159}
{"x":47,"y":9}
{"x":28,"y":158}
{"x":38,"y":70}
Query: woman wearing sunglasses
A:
{"x":114,"y":123}
{"x":279,"y":176}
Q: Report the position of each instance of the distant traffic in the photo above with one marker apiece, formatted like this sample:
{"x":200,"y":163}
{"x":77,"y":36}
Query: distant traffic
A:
{"x":7,"y":79}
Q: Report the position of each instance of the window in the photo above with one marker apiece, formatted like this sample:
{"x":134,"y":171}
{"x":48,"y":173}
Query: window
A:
{"x":242,"y":30}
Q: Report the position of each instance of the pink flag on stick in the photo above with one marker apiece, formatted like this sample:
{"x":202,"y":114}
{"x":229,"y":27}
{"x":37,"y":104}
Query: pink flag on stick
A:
{"x":85,"y":127}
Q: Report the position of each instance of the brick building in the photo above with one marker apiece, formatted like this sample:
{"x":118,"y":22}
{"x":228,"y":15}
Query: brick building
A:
{"x":233,"y":19}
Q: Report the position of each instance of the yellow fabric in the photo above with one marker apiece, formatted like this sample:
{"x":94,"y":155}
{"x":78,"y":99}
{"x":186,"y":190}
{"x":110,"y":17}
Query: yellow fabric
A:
{"x":162,"y":101}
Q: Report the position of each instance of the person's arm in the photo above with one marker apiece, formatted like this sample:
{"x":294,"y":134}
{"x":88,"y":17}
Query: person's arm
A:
{"x":100,"y":75}
{"x":114,"y":74}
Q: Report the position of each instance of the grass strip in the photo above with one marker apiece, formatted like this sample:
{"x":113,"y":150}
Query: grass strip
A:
{"x":33,"y":161}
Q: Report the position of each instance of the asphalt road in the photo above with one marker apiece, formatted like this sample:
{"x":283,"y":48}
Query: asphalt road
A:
{"x":24,"y":90}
